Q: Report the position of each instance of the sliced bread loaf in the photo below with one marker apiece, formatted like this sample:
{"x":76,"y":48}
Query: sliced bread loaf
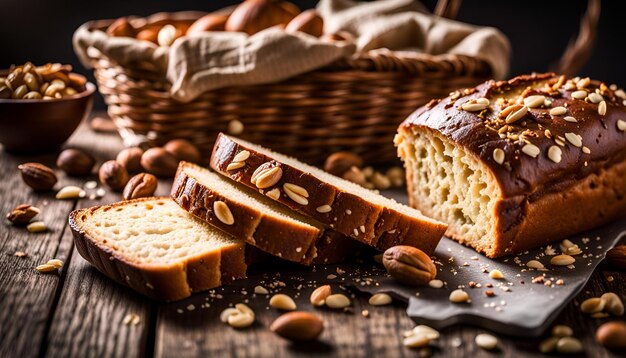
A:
{"x":249,"y":216}
{"x":344,"y":206}
{"x":156,"y":248}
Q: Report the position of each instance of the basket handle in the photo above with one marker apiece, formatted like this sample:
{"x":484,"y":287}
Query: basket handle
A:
{"x":578,"y":50}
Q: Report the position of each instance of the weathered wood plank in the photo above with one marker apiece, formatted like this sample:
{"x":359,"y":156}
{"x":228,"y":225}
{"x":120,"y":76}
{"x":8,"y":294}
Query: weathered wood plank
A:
{"x":90,"y":318}
{"x":27,"y":297}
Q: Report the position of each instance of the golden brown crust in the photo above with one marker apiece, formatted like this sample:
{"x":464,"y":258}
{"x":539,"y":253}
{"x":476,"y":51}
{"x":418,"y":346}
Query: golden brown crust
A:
{"x":351,"y":215}
{"x":160,"y":282}
{"x":541,"y":199}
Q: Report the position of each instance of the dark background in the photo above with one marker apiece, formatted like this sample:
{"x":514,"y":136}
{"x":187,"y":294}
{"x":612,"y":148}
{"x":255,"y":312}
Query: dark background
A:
{"x":41,"y":30}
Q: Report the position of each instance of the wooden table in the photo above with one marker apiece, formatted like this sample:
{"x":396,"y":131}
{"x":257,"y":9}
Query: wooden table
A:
{"x":79,"y":312}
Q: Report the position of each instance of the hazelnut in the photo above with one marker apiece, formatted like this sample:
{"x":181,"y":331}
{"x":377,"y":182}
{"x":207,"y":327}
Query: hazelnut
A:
{"x":113,"y":175}
{"x":210,"y":22}
{"x":309,"y":22}
{"x":612,"y":335}
{"x":130,"y":158}
{"x":159,"y":162}
{"x":298,"y":326}
{"x":141,"y":185}
{"x":252,"y":16}
{"x":183,"y":150}
{"x":409,"y":265}
{"x":340,"y":162}
{"x":38,"y":176}
{"x":75,"y":162}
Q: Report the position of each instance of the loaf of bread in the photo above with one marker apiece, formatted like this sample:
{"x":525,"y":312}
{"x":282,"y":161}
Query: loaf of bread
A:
{"x":157,"y":248}
{"x":252,"y":217}
{"x":517,"y":164}
{"x":344,"y":206}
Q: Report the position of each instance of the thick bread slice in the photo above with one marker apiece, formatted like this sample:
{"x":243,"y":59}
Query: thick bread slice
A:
{"x":354,"y":211}
{"x":156,"y":248}
{"x":255,"y":219}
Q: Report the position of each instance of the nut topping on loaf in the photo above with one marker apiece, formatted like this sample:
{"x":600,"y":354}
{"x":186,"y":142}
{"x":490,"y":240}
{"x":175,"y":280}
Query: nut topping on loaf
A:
{"x":502,"y":162}
{"x":342,"y":205}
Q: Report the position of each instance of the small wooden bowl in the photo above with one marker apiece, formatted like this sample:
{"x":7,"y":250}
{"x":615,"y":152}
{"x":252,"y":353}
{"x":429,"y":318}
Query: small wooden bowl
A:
{"x":37,"y":125}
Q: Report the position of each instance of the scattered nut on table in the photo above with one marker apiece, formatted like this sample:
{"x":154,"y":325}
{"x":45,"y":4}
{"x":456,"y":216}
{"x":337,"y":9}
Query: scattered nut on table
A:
{"x":298,"y":326}
{"x":409,"y":265}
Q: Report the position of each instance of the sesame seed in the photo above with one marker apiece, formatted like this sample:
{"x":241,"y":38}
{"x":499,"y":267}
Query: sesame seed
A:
{"x":570,"y":119}
{"x":586,"y":150}
{"x":621,"y":125}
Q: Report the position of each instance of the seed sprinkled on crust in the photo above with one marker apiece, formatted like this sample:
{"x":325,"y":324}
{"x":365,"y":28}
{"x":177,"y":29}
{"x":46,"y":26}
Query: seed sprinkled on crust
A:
{"x":235,"y":166}
{"x":242,"y":156}
{"x":586,"y":150}
{"x":222,"y":212}
{"x":266,"y":177}
{"x":498,"y":155}
{"x":570,"y":119}
{"x":296,"y":193}
{"x":558,"y":111}
{"x":575,"y":139}
{"x":531,"y":150}
{"x":476,"y":105}
{"x":579,"y":94}
{"x":324,"y":209}
{"x":602,"y":108}
{"x":274,"y":193}
{"x":554,"y":153}
{"x":583,"y":83}
{"x":516,"y":115}
{"x":621,"y":125}
{"x":595,"y":98}
{"x":534,"y":101}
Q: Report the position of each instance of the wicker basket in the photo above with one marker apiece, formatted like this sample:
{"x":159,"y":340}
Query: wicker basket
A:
{"x":355,"y":104}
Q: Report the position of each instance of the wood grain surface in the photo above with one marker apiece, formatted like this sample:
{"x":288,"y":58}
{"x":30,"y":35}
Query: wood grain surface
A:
{"x":78,"y":312}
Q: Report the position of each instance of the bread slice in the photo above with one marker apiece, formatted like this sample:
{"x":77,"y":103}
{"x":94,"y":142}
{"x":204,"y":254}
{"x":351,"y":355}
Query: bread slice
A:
{"x":344,"y":206}
{"x":156,"y":248}
{"x":249,"y":216}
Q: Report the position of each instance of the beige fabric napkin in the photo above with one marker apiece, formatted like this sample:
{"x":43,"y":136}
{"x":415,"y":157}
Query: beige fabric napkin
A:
{"x":212,"y":60}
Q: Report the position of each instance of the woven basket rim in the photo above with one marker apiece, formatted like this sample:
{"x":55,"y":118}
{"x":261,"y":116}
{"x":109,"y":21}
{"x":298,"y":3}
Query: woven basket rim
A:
{"x":376,"y":60}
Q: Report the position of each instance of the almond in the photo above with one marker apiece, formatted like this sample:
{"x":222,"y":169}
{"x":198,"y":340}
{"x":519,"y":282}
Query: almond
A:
{"x":298,"y":326}
{"x":409,"y":265}
{"x":22,"y":214}
{"x":318,"y":297}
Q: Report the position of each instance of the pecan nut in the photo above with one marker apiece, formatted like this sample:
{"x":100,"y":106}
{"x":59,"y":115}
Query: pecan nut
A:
{"x":409,"y":265}
{"x":298,"y":326}
{"x":38,"y":176}
{"x":141,"y":185}
{"x":22,"y":214}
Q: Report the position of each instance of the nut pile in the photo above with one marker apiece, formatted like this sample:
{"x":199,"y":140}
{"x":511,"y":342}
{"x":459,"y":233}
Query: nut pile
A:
{"x":51,"y":81}
{"x":561,"y":341}
{"x":250,"y":17}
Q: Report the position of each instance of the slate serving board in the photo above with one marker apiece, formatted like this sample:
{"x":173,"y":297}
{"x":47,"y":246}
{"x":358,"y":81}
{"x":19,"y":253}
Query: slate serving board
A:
{"x":527,"y":310}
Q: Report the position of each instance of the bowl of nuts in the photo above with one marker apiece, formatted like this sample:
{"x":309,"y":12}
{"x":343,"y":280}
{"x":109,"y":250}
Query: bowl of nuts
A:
{"x":41,"y":106}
